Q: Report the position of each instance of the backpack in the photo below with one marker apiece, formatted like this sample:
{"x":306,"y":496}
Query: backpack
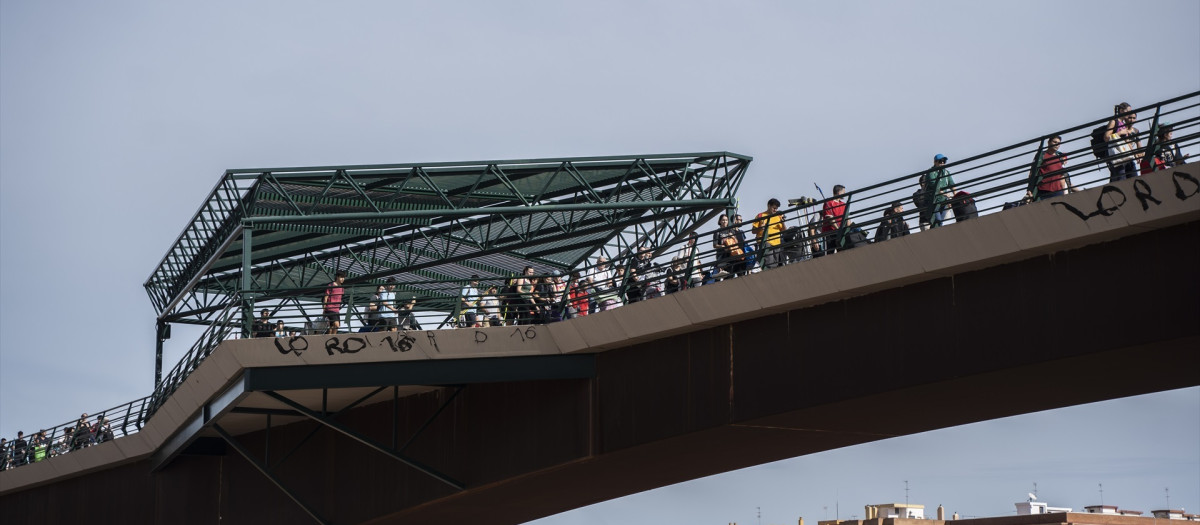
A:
{"x":921,"y":197}
{"x":854,"y":237}
{"x":964,"y":206}
{"x":1099,"y":142}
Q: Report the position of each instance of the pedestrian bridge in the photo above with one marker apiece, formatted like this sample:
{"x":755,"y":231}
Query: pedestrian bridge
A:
{"x":1088,"y":297}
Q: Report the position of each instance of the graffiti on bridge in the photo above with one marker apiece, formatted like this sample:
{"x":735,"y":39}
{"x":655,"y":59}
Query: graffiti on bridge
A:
{"x":1141,"y":191}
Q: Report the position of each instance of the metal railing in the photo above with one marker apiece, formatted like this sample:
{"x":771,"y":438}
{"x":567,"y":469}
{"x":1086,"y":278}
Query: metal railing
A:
{"x":84,"y":432}
{"x":983,"y":184}
{"x":225,"y":326}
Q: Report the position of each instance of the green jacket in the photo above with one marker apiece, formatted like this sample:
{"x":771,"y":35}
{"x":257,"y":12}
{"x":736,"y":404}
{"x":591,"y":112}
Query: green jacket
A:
{"x":936,"y":182}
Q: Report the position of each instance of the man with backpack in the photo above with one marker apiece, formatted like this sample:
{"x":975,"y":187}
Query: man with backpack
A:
{"x":937,"y":188}
{"x":1116,"y":143}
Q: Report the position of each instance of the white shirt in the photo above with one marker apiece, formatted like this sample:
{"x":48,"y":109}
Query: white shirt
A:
{"x":388,"y":300}
{"x":470,"y":295}
{"x":490,"y":306}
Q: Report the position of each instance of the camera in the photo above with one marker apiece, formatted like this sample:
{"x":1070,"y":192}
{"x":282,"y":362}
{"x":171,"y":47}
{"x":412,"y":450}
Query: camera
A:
{"x":802,"y":201}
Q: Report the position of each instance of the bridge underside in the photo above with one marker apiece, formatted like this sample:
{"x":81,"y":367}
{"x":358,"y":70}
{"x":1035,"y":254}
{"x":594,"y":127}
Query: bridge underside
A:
{"x":1080,"y":325}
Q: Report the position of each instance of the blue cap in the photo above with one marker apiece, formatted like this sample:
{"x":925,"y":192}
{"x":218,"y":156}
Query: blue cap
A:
{"x":938,"y":157}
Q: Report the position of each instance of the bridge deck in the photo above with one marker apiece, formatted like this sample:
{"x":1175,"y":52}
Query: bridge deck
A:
{"x":782,"y":419}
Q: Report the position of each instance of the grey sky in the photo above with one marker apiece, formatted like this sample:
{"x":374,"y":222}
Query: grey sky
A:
{"x":116,"y":119}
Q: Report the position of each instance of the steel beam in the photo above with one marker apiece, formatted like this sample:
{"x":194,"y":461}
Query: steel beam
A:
{"x":262,"y":470}
{"x":427,"y":421}
{"x":314,"y":430}
{"x":370,"y":443}
{"x":497,"y":210}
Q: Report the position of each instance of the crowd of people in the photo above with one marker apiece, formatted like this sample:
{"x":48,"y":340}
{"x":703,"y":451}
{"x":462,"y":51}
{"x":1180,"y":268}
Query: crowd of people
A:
{"x":770,"y":242}
{"x":39,"y":446}
{"x":738,"y":247}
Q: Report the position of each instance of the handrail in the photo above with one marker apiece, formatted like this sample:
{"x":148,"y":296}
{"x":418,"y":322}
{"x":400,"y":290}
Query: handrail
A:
{"x":108,"y":424}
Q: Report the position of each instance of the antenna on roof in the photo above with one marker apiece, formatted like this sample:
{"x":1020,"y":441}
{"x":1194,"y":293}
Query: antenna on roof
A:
{"x":1035,"y":490}
{"x":906,"y":492}
{"x":1101,"y":493}
{"x":1167,"y":491}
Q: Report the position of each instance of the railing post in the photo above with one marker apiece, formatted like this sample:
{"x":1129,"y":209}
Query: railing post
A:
{"x":247,"y":281}
{"x":160,"y":328}
{"x":1035,"y":172}
{"x":564,"y":301}
{"x":691,"y":264}
{"x":347,"y":307}
{"x":1152,"y":144}
{"x":455,"y":313}
{"x":842,"y":227}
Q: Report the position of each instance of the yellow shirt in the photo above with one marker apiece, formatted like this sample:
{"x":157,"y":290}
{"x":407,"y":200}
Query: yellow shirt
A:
{"x":770,"y":226}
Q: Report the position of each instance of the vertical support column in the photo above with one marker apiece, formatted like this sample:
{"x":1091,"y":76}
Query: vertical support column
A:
{"x":162,"y":332}
{"x":246,"y":296}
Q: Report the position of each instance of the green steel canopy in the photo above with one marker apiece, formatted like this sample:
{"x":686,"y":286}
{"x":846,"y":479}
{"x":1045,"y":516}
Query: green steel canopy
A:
{"x":425,"y":224}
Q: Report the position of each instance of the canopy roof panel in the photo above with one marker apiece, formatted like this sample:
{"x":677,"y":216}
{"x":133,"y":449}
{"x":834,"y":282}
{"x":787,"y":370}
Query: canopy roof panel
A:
{"x":293,"y":228}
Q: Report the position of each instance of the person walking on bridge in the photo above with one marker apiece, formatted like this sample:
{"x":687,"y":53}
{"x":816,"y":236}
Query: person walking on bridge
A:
{"x":938,"y":186}
{"x":768,"y":228}
{"x":332,"y":302}
{"x":893,"y":224}
{"x":1051,"y":178}
{"x":833,"y":213}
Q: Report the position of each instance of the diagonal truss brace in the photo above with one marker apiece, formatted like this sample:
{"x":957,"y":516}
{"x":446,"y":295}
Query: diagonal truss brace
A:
{"x":312,"y":433}
{"x":263,"y":470}
{"x":333,"y":425}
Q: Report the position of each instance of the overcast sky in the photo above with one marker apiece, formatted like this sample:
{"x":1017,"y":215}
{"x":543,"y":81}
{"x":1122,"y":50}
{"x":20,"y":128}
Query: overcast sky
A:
{"x":117,"y":118}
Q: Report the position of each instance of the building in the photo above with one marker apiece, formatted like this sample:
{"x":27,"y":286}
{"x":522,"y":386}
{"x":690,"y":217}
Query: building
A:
{"x":1171,"y":514}
{"x":1025,"y":508}
{"x":1031,"y":512}
{"x":895,"y":510}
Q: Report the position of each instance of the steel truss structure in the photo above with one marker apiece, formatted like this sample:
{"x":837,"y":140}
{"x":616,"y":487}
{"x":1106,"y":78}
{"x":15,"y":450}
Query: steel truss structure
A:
{"x":281,"y":234}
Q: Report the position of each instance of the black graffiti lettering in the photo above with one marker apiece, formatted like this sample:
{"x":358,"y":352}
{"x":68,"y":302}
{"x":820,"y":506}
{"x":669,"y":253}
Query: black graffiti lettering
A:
{"x":358,"y":342}
{"x":433,"y":341}
{"x":1082,"y":216}
{"x":292,"y":347}
{"x":406,"y":343}
{"x":351,"y":345}
{"x":1111,"y":209}
{"x":403,"y":345}
{"x":529,"y":333}
{"x":1142,"y":196}
{"x":1176,"y":176}
{"x":480,"y":336}
{"x":1100,"y":209}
